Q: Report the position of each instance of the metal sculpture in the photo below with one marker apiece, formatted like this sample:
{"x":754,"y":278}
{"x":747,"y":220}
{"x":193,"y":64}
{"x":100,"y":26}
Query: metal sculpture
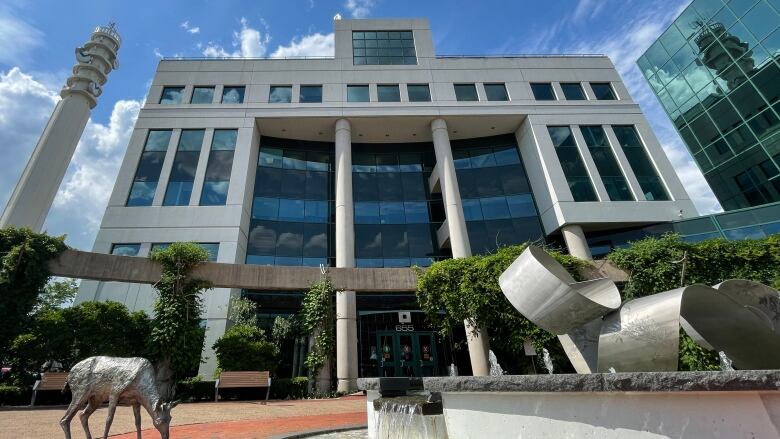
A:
{"x":127,"y":381}
{"x":738,"y":317}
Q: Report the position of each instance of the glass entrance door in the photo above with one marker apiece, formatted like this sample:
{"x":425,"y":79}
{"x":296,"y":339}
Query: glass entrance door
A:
{"x":410,"y":354}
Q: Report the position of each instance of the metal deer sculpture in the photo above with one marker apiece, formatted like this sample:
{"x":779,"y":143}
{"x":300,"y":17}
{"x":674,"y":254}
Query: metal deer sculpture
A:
{"x":129,"y":381}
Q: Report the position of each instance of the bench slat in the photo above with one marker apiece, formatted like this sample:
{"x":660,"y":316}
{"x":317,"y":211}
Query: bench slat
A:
{"x":244,"y":379}
{"x":53,"y":381}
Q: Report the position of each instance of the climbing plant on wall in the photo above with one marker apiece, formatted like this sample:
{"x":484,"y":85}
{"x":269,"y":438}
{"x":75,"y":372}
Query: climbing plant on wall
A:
{"x":318,"y":319}
{"x":177,"y":336}
{"x":23,"y":274}
{"x":454,"y":290}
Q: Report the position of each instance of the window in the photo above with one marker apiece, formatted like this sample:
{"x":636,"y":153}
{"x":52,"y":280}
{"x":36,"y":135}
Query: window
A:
{"x":357,"y":93}
{"x":217,"y":179}
{"x":649,"y":180}
{"x":573,"y":166}
{"x":607,"y":165}
{"x":184,"y":165}
{"x":466,"y":92}
{"x":233,"y":95}
{"x":383,"y":48}
{"x":202,"y":95}
{"x":388,"y":93}
{"x":125,"y":249}
{"x":496,"y":92}
{"x":603,"y":91}
{"x":171,"y":95}
{"x":419,"y":92}
{"x":310,"y":94}
{"x":280,"y":94}
{"x":573,"y":91}
{"x":149,"y":167}
{"x":211,"y":248}
{"x":543,"y":91}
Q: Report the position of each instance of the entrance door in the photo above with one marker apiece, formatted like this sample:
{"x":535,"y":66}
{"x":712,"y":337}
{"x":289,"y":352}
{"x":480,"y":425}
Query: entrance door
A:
{"x":410,"y":354}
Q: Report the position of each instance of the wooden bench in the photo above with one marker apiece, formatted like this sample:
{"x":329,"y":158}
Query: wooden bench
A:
{"x":234,"y":380}
{"x":49,"y":381}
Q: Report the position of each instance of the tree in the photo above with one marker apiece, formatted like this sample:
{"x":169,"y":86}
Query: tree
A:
{"x":57,"y":294}
{"x":177,"y":336}
{"x":319,"y":319}
{"x":23,"y":274}
{"x":245,"y":347}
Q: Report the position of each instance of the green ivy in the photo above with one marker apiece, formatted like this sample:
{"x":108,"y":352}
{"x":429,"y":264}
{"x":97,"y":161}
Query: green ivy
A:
{"x":245,"y":347}
{"x":656,"y":264}
{"x":23,"y":274}
{"x":318,"y":319}
{"x":454,"y":290}
{"x":177,"y":337}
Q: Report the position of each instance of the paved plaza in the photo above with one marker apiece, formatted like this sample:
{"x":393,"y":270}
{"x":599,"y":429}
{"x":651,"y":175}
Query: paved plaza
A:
{"x":233,"y":420}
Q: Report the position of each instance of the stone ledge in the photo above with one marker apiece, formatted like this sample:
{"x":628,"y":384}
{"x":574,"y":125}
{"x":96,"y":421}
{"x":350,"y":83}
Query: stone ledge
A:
{"x":743,"y":380}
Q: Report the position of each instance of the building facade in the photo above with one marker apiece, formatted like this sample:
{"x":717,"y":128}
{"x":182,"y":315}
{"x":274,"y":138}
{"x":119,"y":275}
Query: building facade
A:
{"x":385,"y":155}
{"x":715,"y":71}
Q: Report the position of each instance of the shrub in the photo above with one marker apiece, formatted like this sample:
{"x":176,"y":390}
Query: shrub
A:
{"x":195,"y":389}
{"x":245,"y":347}
{"x":289,"y":388}
{"x":12,"y":395}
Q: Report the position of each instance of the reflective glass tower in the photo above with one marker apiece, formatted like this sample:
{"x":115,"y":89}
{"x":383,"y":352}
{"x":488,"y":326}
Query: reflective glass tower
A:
{"x":716,"y":72}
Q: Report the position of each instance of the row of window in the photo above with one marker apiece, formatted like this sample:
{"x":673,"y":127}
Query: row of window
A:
{"x":185,"y":163}
{"x":464,"y":92}
{"x":133,"y":249}
{"x":572,"y":91}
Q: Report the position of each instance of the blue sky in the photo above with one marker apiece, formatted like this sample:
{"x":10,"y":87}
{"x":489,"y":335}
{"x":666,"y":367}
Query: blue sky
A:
{"x":37,"y":40}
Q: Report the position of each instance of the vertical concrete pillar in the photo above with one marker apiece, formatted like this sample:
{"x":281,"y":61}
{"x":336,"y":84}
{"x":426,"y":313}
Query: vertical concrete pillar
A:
{"x":576,"y":242}
{"x":459,"y":239}
{"x":346,"y":312}
{"x":34,"y":193}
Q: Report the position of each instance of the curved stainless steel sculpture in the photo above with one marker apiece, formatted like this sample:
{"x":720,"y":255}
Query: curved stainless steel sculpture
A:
{"x":738,"y":317}
{"x":129,"y":381}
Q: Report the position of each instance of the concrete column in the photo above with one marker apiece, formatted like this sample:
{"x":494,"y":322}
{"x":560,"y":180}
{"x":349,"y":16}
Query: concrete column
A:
{"x":576,"y":241}
{"x":34,"y":193}
{"x":459,"y":239}
{"x":346,"y":312}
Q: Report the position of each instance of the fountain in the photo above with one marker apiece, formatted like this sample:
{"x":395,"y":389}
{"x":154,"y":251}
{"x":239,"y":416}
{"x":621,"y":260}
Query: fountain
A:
{"x":548,"y":364}
{"x":634,"y":345}
{"x":495,"y":368}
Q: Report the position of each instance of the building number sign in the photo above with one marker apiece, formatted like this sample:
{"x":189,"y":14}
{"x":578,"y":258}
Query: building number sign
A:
{"x":404,"y":328}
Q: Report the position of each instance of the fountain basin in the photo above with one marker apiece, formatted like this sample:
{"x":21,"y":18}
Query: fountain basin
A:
{"x":734,"y":404}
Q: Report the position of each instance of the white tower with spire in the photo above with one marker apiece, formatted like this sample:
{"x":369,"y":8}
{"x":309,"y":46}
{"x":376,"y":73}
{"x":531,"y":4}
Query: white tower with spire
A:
{"x":34,"y":193}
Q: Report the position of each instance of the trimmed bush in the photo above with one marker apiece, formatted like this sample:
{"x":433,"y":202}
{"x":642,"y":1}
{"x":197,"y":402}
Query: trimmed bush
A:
{"x":195,"y":389}
{"x":289,"y":388}
{"x":13,"y":395}
{"x":244,"y":347}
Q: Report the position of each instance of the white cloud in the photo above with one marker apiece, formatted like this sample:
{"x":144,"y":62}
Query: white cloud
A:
{"x":16,"y":37}
{"x":247,"y":42}
{"x":359,"y":8}
{"x":191,"y":29}
{"x":310,"y":45}
{"x":25,"y":105}
{"x":157,"y":53}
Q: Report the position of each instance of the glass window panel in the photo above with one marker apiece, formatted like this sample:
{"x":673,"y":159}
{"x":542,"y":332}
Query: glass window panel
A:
{"x":233,"y":95}
{"x":294,"y":160}
{"x":527,"y":229}
{"x":172,"y":95}
{"x":573,"y":91}
{"x":125,"y":249}
{"x":420,"y":240}
{"x":149,"y":166}
{"x":289,"y":240}
{"x":362,"y":162}
{"x":461,"y":159}
{"x":212,"y":249}
{"x":561,"y":136}
{"x":482,"y":158}
{"x":259,"y":260}
{"x":265,"y":208}
{"x":496,"y":92}
{"x":466,"y":92}
{"x":366,"y":212}
{"x":262,"y":238}
{"x":142,"y":193}
{"x":184,"y":165}
{"x":521,"y":205}
{"x":764,"y":123}
{"x":317,"y":186}
{"x":224,"y":140}
{"x":270,"y":157}
{"x":494,"y":208}
{"x":391,"y":213}
{"x":389,"y":187}
{"x":317,"y":161}
{"x":506,"y":155}
{"x":219,"y":166}
{"x":740,"y":139}
{"x":364,"y":186}
{"x":606,"y":163}
{"x":501,"y":233}
{"x":357,"y":93}
{"x":316,"y":211}
{"x":178,"y":193}
{"x":478,"y":239}
{"x":572,"y":164}
{"x":416,"y":212}
{"x":603,"y":91}
{"x":640,"y":162}
{"x":672,"y":39}
{"x":411,"y":162}
{"x":293,"y":184}
{"x":214,"y":193}
{"x":467,"y":183}
{"x":761,"y":20}
{"x":767,"y":83}
{"x":488,"y":182}
{"x":395,"y":243}
{"x":387,"y":163}
{"x":513,"y":179}
{"x":310,"y":94}
{"x":191,"y":140}
{"x":368,"y":241}
{"x":268,"y":182}
{"x":706,"y":8}
{"x":280,"y":94}
{"x":472,"y":210}
{"x":315,"y":241}
{"x":419,"y":92}
{"x":543,"y":91}
{"x":157,"y":140}
{"x":388,"y":93}
{"x":202,"y":95}
{"x":413,"y":186}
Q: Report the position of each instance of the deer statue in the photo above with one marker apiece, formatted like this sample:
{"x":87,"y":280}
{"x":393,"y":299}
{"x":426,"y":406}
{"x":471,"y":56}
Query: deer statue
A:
{"x":129,"y":381}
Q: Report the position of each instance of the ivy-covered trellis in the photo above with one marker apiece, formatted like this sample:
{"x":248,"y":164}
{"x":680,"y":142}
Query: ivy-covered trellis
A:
{"x":318,"y":319}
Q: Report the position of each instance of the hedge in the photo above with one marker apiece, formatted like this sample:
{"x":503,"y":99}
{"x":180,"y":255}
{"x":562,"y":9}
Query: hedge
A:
{"x":289,"y":388}
{"x":13,"y":395}
{"x":195,"y":389}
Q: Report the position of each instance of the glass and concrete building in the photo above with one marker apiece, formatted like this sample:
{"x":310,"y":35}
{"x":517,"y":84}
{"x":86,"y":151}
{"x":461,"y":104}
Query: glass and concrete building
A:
{"x":385,"y":155}
{"x":715,"y":71}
